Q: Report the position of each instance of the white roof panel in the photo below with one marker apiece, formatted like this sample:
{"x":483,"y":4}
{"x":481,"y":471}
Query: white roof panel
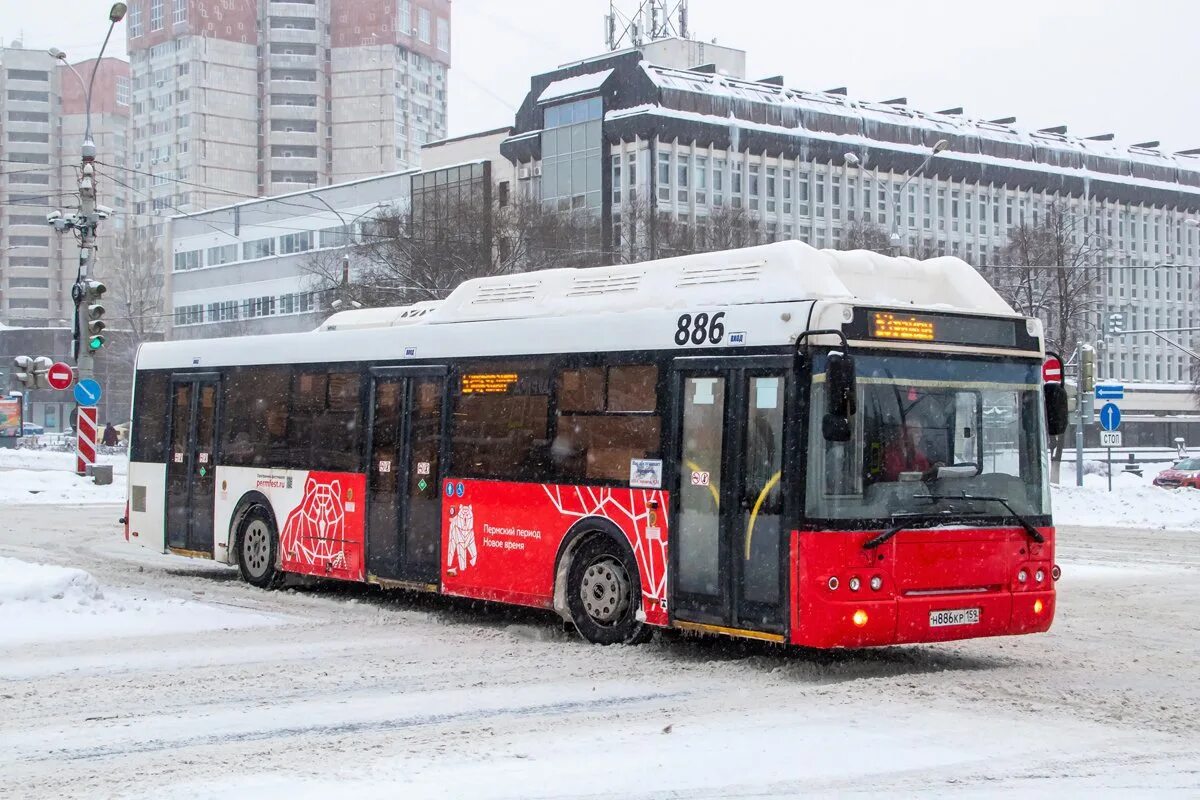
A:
{"x":572,"y":86}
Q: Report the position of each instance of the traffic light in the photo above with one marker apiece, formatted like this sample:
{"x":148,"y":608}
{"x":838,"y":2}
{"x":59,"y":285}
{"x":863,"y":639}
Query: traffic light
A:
{"x":1087,"y":369}
{"x":31,"y":372}
{"x":1116,"y":322}
{"x":92,"y":292}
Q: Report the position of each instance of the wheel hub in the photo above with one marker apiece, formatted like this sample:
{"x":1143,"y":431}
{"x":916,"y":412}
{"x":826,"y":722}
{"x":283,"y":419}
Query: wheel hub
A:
{"x":256,"y":546}
{"x":605,"y":591}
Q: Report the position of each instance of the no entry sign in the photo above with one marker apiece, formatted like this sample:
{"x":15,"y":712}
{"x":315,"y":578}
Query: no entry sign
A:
{"x":1052,"y":370}
{"x":60,"y":375}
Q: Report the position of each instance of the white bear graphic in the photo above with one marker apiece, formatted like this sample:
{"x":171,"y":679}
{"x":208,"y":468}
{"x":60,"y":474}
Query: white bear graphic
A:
{"x":462,"y":538}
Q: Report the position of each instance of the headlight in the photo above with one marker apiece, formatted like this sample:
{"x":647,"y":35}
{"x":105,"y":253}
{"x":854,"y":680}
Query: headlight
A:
{"x":1022,"y":576}
{"x":833,"y":583}
{"x":876,"y":583}
{"x":855,"y":584}
{"x":1039,"y":576}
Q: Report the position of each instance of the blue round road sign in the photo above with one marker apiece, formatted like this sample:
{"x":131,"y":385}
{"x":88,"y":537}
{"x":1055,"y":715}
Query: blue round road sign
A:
{"x":87,"y":392}
{"x":1110,"y":417}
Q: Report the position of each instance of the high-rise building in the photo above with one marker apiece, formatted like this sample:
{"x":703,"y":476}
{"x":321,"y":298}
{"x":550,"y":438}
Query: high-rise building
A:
{"x":44,"y":119}
{"x":249,"y":98}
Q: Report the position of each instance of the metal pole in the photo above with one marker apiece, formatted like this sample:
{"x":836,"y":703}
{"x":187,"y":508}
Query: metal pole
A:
{"x":1110,"y":469}
{"x":1079,"y":421}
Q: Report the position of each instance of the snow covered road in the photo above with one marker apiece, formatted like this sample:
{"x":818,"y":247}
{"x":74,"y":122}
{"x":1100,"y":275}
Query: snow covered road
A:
{"x":340,"y":690}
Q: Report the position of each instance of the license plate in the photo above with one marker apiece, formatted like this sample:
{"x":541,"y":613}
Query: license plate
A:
{"x":956,"y":616}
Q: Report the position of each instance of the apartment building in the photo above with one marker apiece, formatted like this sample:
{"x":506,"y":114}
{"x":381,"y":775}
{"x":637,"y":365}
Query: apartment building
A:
{"x":249,"y":98}
{"x":42,"y":122}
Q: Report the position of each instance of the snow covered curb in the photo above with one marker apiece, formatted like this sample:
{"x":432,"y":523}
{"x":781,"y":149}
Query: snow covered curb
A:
{"x":1133,"y":503}
{"x":40,"y":603}
{"x":58,"y":487}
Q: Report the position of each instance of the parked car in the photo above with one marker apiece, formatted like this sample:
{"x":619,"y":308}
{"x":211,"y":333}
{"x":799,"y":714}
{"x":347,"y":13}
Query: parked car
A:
{"x":1185,"y":472}
{"x":31,"y":429}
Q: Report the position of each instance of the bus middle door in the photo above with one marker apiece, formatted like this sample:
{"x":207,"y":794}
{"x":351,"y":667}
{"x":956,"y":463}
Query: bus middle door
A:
{"x":728,"y":556}
{"x":404,"y":533}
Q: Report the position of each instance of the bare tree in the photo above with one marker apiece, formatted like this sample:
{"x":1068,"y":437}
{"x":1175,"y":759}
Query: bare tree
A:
{"x":1051,"y":271}
{"x":863,"y":235}
{"x":404,"y":257}
{"x":134,"y":275}
{"x":647,"y":233}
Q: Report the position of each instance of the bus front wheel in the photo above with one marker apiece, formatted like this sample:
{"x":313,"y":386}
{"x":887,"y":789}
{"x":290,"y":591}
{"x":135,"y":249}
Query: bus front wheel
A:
{"x":258,"y":549}
{"x":604,"y":594}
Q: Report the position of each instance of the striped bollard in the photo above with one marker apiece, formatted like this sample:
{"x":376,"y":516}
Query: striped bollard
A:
{"x":85,"y":442}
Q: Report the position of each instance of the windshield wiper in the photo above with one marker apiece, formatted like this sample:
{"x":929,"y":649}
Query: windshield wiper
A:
{"x":888,"y":533}
{"x":1033,"y":532}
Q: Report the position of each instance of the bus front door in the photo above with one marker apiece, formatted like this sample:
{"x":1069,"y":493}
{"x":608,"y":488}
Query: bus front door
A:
{"x":191,"y":467}
{"x":728,"y":553}
{"x":404,"y":529}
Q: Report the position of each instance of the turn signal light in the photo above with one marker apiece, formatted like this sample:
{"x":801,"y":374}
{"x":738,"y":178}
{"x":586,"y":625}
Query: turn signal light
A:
{"x":860,"y":618}
{"x":1037,"y":606}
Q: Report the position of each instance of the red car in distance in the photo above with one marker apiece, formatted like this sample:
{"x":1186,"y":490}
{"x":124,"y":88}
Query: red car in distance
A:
{"x":1185,"y":472}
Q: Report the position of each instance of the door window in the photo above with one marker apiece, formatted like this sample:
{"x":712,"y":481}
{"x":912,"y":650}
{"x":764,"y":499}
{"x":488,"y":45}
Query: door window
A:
{"x":700,"y":485}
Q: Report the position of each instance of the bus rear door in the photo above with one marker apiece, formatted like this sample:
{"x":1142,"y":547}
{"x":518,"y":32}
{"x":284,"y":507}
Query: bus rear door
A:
{"x":728,"y":553}
{"x":191,"y":464}
{"x":408,"y":409}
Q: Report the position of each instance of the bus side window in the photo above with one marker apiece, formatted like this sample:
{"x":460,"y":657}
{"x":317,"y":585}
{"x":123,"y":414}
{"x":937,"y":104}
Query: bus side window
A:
{"x":605,"y":420}
{"x":253,"y":423}
{"x":150,"y":418}
{"x":501,"y":422}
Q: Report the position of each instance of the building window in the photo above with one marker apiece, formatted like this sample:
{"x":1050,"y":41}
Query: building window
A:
{"x":616,"y":180}
{"x":135,"y":19}
{"x":189,"y":315}
{"x":443,"y":34}
{"x":180,"y":12}
{"x":681,"y":178}
{"x":664,"y":176}
{"x":295,"y":243}
{"x":27,"y":302}
{"x":226,"y":254}
{"x":571,"y":165}
{"x":701,"y":180}
{"x":423,"y":25}
{"x":260,"y":248}
{"x":188,"y":260}
{"x":156,"y":15}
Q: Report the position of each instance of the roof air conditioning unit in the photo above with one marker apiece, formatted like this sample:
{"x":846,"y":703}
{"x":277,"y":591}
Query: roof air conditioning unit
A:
{"x":523,"y":172}
{"x":537,"y":170}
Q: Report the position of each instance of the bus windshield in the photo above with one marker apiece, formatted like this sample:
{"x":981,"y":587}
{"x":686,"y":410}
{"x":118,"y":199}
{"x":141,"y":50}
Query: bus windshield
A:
{"x":931,"y":425}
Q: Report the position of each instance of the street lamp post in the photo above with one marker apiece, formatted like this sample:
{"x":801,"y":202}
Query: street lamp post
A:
{"x":347,"y":233}
{"x":894,"y":239}
{"x":87,"y":292}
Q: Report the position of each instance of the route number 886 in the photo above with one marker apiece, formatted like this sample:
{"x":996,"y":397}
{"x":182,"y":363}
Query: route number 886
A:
{"x":700,"y":329}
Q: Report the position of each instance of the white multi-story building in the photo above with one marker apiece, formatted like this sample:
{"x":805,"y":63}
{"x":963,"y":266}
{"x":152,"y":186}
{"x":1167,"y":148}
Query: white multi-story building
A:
{"x":249,"y":98}
{"x":680,"y":133}
{"x":248,"y":268}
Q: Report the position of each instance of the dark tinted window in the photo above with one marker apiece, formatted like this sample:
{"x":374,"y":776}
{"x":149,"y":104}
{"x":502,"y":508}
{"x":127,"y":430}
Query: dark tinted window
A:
{"x":324,"y":429}
{"x":605,"y":420}
{"x":150,"y":418}
{"x":253,"y":433}
{"x":501,"y":422}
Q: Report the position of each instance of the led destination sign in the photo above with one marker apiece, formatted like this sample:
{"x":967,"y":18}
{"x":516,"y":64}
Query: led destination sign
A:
{"x":901,"y":326}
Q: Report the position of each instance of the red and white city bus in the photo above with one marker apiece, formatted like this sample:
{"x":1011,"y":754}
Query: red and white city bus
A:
{"x":827,"y":449}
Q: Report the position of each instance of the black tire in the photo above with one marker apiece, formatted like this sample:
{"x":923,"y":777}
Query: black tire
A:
{"x":604,"y":593}
{"x":257,"y":546}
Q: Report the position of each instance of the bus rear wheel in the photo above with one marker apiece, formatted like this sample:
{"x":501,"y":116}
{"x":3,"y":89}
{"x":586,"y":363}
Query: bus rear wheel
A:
{"x":258,"y":549}
{"x":604,"y":594}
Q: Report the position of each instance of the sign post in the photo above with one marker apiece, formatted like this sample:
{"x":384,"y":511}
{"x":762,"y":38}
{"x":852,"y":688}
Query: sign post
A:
{"x":1110,"y":437}
{"x":87,"y":394}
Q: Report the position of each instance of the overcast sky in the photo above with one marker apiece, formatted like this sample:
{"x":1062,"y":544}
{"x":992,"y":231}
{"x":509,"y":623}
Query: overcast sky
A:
{"x":1099,"y":66}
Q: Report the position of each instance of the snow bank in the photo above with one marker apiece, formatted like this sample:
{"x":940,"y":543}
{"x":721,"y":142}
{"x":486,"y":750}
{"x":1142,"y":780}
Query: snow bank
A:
{"x":40,"y":603}
{"x":58,"y":487}
{"x":55,"y":460}
{"x":1134,"y":502}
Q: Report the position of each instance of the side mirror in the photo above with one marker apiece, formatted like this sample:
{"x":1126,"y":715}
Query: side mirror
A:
{"x":1056,"y":409}
{"x":839,"y":385}
{"x":835,"y":428}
